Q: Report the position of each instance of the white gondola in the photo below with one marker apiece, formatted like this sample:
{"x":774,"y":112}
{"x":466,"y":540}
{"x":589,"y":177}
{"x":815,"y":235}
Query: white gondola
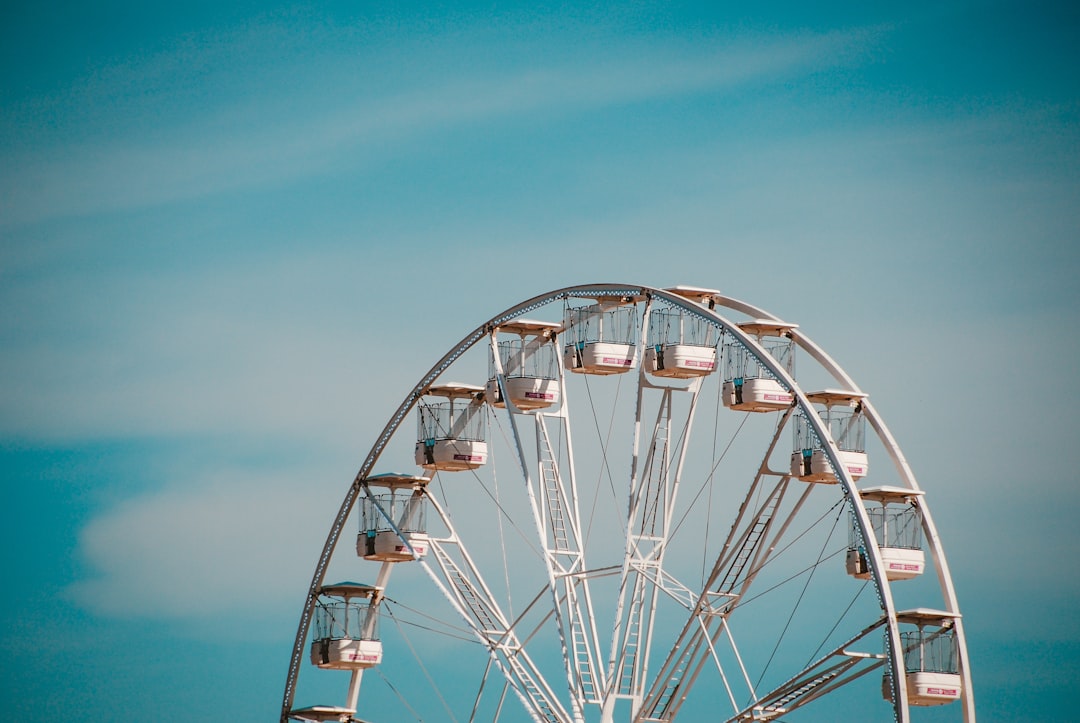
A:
{"x":750,"y":387}
{"x":679,"y":344}
{"x":346,"y":628}
{"x":530,"y":366}
{"x":600,"y":339}
{"x":451,"y":434}
{"x":842,"y":414}
{"x":320,"y":713}
{"x":930,"y":658}
{"x":897,"y":527}
{"x":403,"y":502}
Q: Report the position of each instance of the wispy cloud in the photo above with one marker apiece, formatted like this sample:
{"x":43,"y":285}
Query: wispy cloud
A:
{"x":244,"y":349}
{"x":207,"y":547}
{"x":263,"y":140}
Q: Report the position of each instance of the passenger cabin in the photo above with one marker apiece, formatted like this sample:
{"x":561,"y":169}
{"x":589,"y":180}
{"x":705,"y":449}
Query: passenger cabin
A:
{"x":841,"y":411}
{"x":451,"y":428}
{"x":748,"y":385}
{"x":931,"y":658}
{"x":601,"y":338}
{"x":896,"y":520}
{"x":345,"y":627}
{"x":321,"y":713}
{"x":680,"y":344}
{"x":400,"y":499}
{"x":527,"y":367}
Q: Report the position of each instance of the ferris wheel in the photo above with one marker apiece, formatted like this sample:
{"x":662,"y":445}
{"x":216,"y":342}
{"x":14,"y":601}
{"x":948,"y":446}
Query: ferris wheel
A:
{"x":623,"y":504}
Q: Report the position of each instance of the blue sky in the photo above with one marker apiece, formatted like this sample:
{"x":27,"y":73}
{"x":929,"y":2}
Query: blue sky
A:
{"x":210,"y":216}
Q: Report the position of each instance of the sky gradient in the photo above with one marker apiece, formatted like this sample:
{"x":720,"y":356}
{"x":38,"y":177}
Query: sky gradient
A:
{"x":211,"y":216}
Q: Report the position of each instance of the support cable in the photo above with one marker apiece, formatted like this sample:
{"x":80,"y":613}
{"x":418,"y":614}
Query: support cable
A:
{"x":776,"y":555}
{"x":709,"y":477}
{"x":423,"y":668}
{"x":798,"y":601}
{"x":851,"y":604}
{"x":400,"y":697}
{"x":457,"y":634}
{"x":502,"y":533}
{"x":605,"y":442}
{"x":785,"y":581}
{"x":708,"y":482}
{"x":498,"y":504}
{"x":480,"y":690}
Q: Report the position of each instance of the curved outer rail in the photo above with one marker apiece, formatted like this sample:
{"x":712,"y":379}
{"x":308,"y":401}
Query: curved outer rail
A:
{"x":593,"y":291}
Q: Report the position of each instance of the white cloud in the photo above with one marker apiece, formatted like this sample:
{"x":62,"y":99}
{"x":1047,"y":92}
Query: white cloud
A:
{"x":205,"y":547}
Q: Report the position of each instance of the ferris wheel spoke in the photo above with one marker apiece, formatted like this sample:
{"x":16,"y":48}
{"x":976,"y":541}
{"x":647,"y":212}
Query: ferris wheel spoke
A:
{"x":552,"y":492}
{"x":655,"y":478}
{"x":837,"y":668}
{"x":458,"y":577}
{"x":558,"y":517}
{"x":655,"y":473}
{"x":754,"y":538}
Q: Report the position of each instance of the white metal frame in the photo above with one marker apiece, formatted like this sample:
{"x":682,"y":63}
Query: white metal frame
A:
{"x":552,"y":491}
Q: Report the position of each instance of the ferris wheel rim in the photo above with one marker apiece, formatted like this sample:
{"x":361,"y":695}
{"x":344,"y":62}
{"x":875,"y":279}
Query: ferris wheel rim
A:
{"x":634,"y":293}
